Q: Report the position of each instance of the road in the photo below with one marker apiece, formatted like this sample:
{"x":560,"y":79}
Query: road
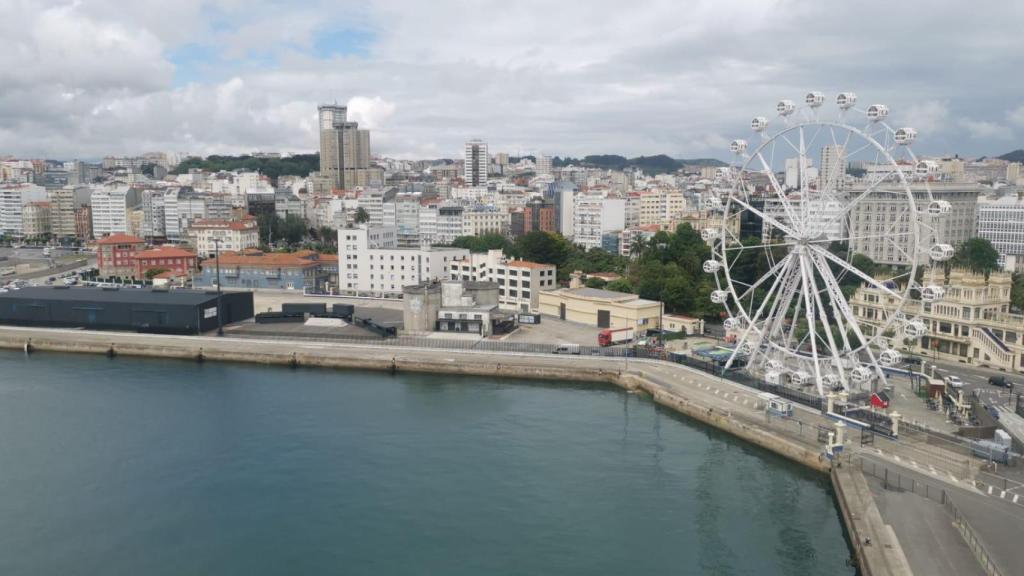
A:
{"x":976,"y":378}
{"x":997,"y":522}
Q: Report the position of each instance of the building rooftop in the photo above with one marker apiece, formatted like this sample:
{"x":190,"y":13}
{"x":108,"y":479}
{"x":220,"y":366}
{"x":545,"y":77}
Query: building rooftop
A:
{"x":165,"y":252}
{"x":527,"y":264}
{"x":120,"y":239}
{"x":255,"y":258}
{"x":112,"y":295}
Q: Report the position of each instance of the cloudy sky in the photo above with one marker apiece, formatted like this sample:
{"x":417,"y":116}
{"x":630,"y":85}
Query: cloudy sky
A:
{"x":88,"y":78}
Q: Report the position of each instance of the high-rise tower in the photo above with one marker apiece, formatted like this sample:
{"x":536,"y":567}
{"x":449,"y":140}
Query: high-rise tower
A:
{"x":476,"y":163}
{"x":344,"y":148}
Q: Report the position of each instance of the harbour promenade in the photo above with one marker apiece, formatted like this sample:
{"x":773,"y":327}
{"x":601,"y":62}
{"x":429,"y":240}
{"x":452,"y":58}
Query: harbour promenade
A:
{"x":716,"y":401}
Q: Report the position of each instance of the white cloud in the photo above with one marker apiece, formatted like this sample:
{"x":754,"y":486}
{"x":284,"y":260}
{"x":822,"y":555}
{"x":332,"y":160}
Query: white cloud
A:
{"x":568,"y":78}
{"x":984,"y":130}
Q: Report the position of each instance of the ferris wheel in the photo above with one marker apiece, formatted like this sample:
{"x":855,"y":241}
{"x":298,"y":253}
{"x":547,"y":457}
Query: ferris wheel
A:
{"x":824,"y":201}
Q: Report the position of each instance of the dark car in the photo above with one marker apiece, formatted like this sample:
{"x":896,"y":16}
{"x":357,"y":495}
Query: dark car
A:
{"x":1000,"y":381}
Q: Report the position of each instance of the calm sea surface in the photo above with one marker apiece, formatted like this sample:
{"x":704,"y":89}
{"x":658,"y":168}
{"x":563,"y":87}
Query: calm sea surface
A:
{"x":149,"y":467}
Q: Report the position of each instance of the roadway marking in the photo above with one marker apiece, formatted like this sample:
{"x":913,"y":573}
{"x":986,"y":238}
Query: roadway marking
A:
{"x":1015,"y":497}
{"x":989,"y":490}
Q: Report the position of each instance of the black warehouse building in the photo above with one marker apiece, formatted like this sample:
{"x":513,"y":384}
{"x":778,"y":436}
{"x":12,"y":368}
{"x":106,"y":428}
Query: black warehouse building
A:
{"x":141,"y":310}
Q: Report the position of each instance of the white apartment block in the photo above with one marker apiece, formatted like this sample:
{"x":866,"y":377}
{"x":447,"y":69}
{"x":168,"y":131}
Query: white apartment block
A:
{"x":233,"y":235}
{"x":35,"y":219}
{"x":544,"y":165}
{"x":373,"y":203}
{"x":13,"y":198}
{"x":519,"y":282}
{"x":594,"y":215}
{"x":110,"y":206}
{"x":369,"y":262}
{"x":880,"y":229}
{"x":181,"y":207}
{"x":1001,"y":222}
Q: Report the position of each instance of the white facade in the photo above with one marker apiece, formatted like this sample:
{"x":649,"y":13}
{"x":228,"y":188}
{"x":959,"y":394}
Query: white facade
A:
{"x":13,"y":198}
{"x":544,"y":165}
{"x":832,"y":173}
{"x":234,"y":235}
{"x":594,"y":215}
{"x":373,"y":204}
{"x":369,"y":261}
{"x":110,"y":205}
{"x":485,"y":221}
{"x":1001,"y":222}
{"x":519,"y":282}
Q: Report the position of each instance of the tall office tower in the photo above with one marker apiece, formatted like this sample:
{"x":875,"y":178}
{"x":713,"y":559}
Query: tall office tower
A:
{"x":331,"y":118}
{"x":476,"y":163}
{"x":832,"y":172}
{"x":344,"y":148}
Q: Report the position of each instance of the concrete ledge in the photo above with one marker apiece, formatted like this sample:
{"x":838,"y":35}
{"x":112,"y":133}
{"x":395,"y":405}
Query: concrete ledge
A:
{"x":875,"y":545}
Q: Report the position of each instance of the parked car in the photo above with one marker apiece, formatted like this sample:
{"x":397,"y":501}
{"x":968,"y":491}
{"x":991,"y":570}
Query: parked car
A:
{"x":1000,"y":380}
{"x":954,"y":382}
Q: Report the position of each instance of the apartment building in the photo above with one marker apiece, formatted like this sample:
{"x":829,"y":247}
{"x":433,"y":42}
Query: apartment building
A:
{"x":233,"y":235}
{"x":110,"y":205}
{"x":880,"y":228}
{"x":13,"y":199}
{"x":519,"y":282}
{"x":115,"y":255}
{"x":371,"y":263}
{"x":594,"y":215}
{"x":35,"y":219}
{"x":64,"y":203}
{"x":1001,"y":222}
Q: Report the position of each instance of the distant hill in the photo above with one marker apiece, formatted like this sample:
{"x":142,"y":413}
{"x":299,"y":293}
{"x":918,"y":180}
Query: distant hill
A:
{"x":660,"y":164}
{"x":298,"y":164}
{"x":1015,"y":156}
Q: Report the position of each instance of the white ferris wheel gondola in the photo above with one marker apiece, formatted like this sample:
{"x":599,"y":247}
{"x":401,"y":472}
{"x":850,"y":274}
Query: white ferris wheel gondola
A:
{"x":941,"y":252}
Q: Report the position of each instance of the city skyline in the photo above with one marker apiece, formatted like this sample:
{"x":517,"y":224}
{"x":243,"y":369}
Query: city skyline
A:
{"x":88,"y":79}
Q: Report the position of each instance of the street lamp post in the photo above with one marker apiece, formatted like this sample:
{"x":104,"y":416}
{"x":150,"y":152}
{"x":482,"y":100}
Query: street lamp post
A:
{"x":220,"y":319}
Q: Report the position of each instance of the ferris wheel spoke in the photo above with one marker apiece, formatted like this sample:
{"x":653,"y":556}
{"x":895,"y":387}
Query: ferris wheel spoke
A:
{"x":824,"y":318}
{"x":850,"y":206}
{"x":770,"y":274}
{"x":778,"y":188}
{"x":786,"y":262}
{"x":809,"y":312}
{"x":770,"y":245}
{"x":830,"y":187}
{"x":764,"y":217}
{"x":856,"y":271}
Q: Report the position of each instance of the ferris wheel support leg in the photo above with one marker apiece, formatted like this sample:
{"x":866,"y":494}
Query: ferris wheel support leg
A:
{"x":757,"y":315}
{"x":828,"y":328}
{"x":811,"y":324}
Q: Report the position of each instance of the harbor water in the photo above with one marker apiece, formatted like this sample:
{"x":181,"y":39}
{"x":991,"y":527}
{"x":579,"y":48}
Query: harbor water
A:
{"x":136,"y":466}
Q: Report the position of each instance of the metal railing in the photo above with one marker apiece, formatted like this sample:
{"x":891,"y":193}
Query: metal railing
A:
{"x":893,"y":480}
{"x":972,"y":540}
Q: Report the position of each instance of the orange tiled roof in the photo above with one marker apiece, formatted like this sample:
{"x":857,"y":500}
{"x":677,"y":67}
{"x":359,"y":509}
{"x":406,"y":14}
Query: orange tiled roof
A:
{"x":165,"y":252}
{"x":525,"y":264}
{"x":121,"y":239}
{"x":256,"y":259}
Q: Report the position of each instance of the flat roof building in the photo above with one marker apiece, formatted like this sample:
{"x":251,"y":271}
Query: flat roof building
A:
{"x":134,"y":309}
{"x":601,"y":308}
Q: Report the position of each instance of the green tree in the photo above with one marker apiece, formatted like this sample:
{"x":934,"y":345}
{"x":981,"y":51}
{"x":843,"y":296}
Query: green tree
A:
{"x":293,"y":228}
{"x":977,"y":255}
{"x":595,"y":282}
{"x":485,"y":242}
{"x":362,"y":216}
{"x":545,"y":248}
{"x":620,"y":285}
{"x":154,"y":272}
{"x":1017,"y":292}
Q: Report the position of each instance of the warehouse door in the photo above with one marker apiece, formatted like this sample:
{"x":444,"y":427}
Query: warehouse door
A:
{"x":561,"y":310}
{"x":604,"y":319}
